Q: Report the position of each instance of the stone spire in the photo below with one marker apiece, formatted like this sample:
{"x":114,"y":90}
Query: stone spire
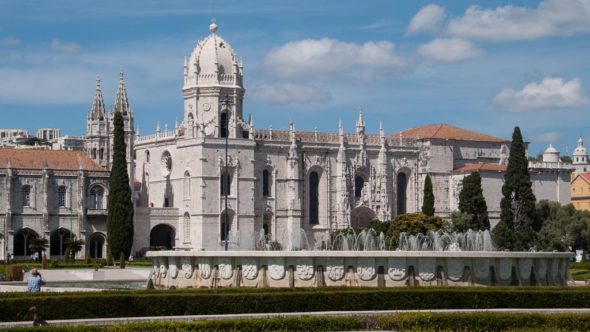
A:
{"x":98,"y":110}
{"x":121,"y":102}
{"x":360,"y":124}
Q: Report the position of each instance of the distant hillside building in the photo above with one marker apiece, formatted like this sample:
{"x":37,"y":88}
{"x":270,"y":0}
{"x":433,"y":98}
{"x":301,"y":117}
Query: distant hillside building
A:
{"x":581,"y":191}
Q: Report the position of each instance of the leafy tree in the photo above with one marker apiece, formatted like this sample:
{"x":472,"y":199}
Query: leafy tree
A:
{"x":120,"y":206}
{"x":428,"y":204}
{"x":515,"y":231}
{"x":38,"y":245}
{"x":563,"y":227}
{"x":472,"y":202}
{"x":412,"y":223}
{"x":566,"y":159}
{"x":460,"y":221}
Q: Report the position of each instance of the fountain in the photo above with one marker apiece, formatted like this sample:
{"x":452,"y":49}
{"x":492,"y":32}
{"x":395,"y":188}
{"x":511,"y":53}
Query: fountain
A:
{"x":366,"y":258}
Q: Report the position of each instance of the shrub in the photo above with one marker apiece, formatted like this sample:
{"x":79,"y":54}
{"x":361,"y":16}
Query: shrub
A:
{"x":233,"y":301}
{"x":411,"y":224}
{"x":14,"y":272}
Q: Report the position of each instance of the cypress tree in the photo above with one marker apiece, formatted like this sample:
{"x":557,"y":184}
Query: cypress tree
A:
{"x":518,"y":200}
{"x":428,"y":204}
{"x":120,"y":206}
{"x":472,"y":201}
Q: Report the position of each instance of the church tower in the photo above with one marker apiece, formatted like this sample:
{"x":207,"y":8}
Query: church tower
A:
{"x":97,"y":143}
{"x":122,"y":105}
{"x":213,"y":90}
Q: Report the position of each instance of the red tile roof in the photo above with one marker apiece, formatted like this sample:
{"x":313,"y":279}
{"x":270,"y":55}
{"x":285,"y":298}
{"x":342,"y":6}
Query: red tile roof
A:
{"x":445,"y":131}
{"x":477,"y":167}
{"x":54,"y":159}
{"x":585,"y":176}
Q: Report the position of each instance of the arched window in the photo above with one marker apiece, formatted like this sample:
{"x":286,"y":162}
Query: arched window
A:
{"x":186,"y":186}
{"x":266,"y":223}
{"x":101,"y":153}
{"x":266,"y":183}
{"x":26,"y":195}
{"x":223,"y":231}
{"x":162,"y":236}
{"x":61,"y":196}
{"x":21,"y":241}
{"x":96,"y":245}
{"x":223,"y":122}
{"x":96,"y":198}
{"x":187,"y":228}
{"x":402,"y":184}
{"x":359,"y":183}
{"x":225,"y":184}
{"x":314,"y":199}
{"x":93,"y":153}
{"x":57,"y":241}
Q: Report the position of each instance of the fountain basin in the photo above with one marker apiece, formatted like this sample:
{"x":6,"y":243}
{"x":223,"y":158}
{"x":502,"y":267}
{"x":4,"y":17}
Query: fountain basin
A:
{"x":211,"y":269}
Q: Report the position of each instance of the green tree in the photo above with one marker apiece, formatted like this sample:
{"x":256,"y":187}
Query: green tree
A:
{"x":566,"y":159}
{"x":515,"y":231}
{"x":428,"y":204}
{"x":120,"y":206}
{"x":460,"y":222}
{"x":472,"y":201}
{"x":73,"y":246}
{"x":412,"y":224}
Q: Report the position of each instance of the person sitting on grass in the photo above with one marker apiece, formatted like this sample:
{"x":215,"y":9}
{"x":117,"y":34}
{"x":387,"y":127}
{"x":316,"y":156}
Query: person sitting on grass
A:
{"x":35,"y":281}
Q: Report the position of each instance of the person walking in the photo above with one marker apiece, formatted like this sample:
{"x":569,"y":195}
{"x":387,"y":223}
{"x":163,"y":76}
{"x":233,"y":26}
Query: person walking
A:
{"x":35,"y":281}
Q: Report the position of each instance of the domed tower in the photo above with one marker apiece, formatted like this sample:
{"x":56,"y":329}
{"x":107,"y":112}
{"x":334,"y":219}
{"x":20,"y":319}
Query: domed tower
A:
{"x":580,"y":155}
{"x":551,"y":155}
{"x":213,"y":89}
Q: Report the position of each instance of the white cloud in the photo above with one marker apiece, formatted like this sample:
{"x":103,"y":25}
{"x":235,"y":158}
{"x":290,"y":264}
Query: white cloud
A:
{"x":449,"y":50}
{"x":429,"y":18}
{"x":10,"y":41}
{"x":548,"y":137}
{"x":552,"y":92}
{"x":508,"y":23}
{"x":59,"y":46}
{"x":289,"y":93}
{"x":324,"y":58}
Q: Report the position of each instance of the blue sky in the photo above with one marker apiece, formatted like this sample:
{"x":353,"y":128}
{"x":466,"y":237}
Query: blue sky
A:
{"x":485,"y":66}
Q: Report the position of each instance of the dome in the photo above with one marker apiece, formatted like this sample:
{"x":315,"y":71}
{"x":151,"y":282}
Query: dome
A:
{"x":211,"y":57}
{"x":551,"y":155}
{"x":580,"y":150}
{"x":551,"y":149}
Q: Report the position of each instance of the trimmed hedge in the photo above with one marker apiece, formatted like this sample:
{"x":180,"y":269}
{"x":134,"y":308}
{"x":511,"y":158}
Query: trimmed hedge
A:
{"x":171,"y":303}
{"x":399,"y":322}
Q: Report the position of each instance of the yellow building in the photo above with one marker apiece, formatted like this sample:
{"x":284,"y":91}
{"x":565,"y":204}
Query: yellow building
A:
{"x":581,"y":191}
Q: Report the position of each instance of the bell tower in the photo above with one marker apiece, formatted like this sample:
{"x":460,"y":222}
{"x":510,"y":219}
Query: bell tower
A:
{"x":213,"y":89}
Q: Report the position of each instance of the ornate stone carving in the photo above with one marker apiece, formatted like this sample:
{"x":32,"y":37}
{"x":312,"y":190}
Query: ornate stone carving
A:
{"x":455,"y":268}
{"x":187,"y":268}
{"x":205,"y":270}
{"x":276,"y":269}
{"x":427,"y":268}
{"x":365,"y":268}
{"x":305,"y":272}
{"x":225,"y":271}
{"x":398,"y":269}
{"x":163,"y":271}
{"x":250,"y":271}
{"x":335,"y":272}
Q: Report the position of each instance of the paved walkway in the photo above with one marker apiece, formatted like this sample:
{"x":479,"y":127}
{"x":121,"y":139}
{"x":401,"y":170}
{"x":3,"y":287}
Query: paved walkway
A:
{"x":191,"y":318}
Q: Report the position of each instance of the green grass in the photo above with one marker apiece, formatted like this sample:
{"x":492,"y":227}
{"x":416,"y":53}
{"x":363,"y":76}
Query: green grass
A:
{"x":580,"y":274}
